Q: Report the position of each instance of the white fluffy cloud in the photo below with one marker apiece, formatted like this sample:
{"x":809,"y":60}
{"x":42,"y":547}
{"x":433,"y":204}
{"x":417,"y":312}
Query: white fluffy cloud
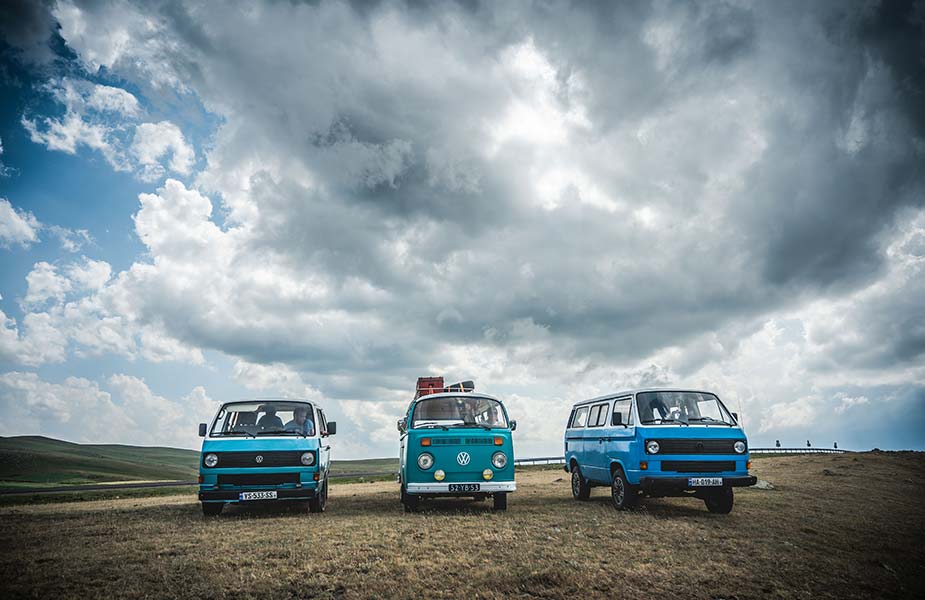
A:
{"x":153,"y":141}
{"x":80,"y":410}
{"x":17,"y":228}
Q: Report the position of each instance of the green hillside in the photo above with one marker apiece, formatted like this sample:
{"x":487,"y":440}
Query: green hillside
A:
{"x":33,"y":461}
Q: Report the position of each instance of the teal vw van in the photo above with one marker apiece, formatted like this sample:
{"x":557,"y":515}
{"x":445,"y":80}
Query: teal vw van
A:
{"x":657,"y":443}
{"x":455,"y":442}
{"x":265,"y":451}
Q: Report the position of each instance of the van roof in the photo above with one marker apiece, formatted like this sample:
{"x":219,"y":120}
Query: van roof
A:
{"x":637,"y":391}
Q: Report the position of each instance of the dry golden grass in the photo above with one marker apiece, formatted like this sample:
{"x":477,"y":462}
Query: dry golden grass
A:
{"x":856,"y":532}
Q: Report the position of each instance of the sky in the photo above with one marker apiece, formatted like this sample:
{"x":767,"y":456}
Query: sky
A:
{"x":558,"y":200}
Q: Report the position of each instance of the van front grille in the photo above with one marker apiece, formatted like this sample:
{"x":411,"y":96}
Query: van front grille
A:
{"x":698,"y":466}
{"x":248,"y":479}
{"x":275,"y":458}
{"x":696,"y":446}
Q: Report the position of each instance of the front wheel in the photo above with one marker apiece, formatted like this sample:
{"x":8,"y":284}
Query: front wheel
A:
{"x":623,"y":494}
{"x":212,"y":509}
{"x":720,"y":502}
{"x":500,"y":501}
{"x":409,"y":501}
{"x":317,"y":504}
{"x":581,"y":489}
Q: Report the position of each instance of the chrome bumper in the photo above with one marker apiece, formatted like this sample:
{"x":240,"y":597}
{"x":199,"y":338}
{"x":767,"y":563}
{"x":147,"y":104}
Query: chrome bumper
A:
{"x":444,"y":488}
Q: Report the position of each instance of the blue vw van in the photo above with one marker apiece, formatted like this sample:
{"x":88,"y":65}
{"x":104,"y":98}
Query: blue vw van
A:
{"x":265,"y":451}
{"x":455,"y":442}
{"x":657,"y":443}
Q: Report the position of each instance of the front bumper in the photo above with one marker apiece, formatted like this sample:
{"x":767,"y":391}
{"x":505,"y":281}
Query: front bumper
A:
{"x":680,"y":484}
{"x":485,"y":487}
{"x":233,"y":495}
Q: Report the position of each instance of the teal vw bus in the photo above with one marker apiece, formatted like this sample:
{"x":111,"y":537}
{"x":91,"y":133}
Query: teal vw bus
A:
{"x":455,"y":442}
{"x":265,"y":451}
{"x":656,"y":443}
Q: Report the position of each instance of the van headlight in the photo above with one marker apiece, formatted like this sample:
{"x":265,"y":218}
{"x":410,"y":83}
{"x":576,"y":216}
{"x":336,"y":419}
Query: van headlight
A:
{"x":425,"y":461}
{"x":499,"y":459}
{"x":739,"y":446}
{"x":308,"y":458}
{"x":210,"y":460}
{"x":652,"y":447}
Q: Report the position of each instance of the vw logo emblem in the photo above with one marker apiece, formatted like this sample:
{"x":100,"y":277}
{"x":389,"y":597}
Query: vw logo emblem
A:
{"x":463,"y":458}
{"x":259,"y":459}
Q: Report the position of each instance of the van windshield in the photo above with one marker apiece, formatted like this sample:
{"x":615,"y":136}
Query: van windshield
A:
{"x":265,"y":418}
{"x":681,"y":407}
{"x":458,"y":411}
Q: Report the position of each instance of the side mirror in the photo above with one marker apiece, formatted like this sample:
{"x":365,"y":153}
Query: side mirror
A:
{"x":735,"y":416}
{"x":332,"y":427}
{"x":202,"y":430}
{"x":513,"y":425}
{"x":617,"y":419}
{"x":401,"y":425}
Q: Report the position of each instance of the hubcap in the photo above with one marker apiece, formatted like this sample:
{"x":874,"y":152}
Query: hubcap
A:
{"x":617,"y":490}
{"x":576,"y":483}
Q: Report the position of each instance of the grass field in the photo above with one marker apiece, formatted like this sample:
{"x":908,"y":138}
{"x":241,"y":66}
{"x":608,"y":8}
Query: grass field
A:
{"x":847,"y":526}
{"x":33,"y":461}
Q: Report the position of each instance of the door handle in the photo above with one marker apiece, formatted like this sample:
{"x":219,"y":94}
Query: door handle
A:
{"x":600,"y":441}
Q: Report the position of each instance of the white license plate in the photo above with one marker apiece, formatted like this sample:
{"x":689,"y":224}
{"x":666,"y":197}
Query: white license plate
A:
{"x":704,"y":481}
{"x":464,"y":487}
{"x":257,"y":495}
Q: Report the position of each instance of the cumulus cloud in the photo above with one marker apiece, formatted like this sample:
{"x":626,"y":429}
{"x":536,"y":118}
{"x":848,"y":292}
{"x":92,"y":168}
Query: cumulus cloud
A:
{"x":155,"y":140}
{"x":556,"y":200}
{"x":125,"y":411}
{"x":17,"y":227}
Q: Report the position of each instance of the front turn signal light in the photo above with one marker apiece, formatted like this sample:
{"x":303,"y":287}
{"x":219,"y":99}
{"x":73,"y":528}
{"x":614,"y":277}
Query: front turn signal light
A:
{"x":439,"y":475}
{"x":499,"y":441}
{"x":748,"y":465}
{"x":487,"y":474}
{"x":643,"y":466}
{"x":425,"y":441}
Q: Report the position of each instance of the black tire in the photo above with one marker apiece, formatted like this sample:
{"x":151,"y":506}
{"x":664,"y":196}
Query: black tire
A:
{"x":623,"y":494}
{"x":500,"y":501}
{"x":581,"y":489}
{"x":212,"y":509}
{"x":409,"y":501}
{"x":317,"y":504}
{"x":720,"y":502}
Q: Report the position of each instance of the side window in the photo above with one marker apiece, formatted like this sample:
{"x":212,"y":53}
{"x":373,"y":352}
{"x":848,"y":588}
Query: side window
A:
{"x":624,"y":407}
{"x":593,"y":415}
{"x":322,"y":423}
{"x":598,"y":415}
{"x":581,"y":416}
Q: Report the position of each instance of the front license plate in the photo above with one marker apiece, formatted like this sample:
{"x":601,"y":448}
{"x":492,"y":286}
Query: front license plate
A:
{"x":257,"y":495}
{"x":464,"y":487}
{"x":704,"y":481}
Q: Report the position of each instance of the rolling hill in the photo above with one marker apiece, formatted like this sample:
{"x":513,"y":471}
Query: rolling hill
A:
{"x":37,"y":461}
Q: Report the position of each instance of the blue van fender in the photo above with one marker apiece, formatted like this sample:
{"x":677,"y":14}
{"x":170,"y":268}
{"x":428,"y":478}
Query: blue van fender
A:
{"x":632,"y":477}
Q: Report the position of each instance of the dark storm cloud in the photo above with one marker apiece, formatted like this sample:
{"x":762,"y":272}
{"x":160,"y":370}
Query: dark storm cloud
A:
{"x":27,"y":25}
{"x":689,"y":168}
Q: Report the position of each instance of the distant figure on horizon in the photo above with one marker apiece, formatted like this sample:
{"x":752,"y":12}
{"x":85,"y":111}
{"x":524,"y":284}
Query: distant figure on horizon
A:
{"x":836,"y":445}
{"x":808,"y":445}
{"x":777,"y":443}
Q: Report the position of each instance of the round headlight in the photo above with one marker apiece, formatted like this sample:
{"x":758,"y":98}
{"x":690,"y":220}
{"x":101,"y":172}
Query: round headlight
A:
{"x":439,"y":475}
{"x":210,"y":460}
{"x":425,"y":461}
{"x":652,"y":447}
{"x":739,"y":447}
{"x":308,"y":458}
{"x":499,"y":459}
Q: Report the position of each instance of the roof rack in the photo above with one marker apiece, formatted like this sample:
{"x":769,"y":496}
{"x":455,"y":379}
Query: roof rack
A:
{"x":434,"y":385}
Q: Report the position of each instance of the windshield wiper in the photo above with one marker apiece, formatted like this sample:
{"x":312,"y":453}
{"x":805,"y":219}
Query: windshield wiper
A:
{"x":239,"y":432}
{"x":647,"y":421}
{"x":277,"y":432}
{"x":430,"y":425}
{"x":710,"y":420}
{"x":469,"y":425}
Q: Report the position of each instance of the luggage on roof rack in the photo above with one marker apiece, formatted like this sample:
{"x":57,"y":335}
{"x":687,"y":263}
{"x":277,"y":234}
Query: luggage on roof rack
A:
{"x":434,"y":385}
